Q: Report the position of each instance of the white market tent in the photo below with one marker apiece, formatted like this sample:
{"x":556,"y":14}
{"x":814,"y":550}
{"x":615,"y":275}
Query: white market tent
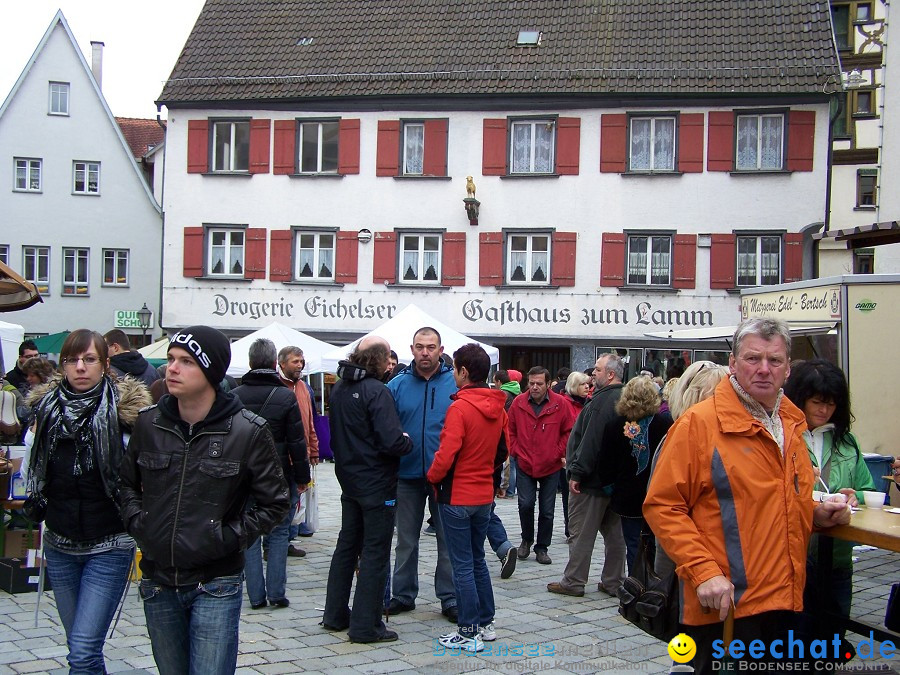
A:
{"x":156,"y":350}
{"x":11,"y":336}
{"x":282,"y":336}
{"x":399,"y":331}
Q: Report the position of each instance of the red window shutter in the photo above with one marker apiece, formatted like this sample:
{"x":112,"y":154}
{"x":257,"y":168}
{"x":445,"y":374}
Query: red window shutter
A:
{"x":434,"y":163}
{"x":793,"y":257}
{"x":387,"y":158}
{"x":346,"y":257}
{"x":613,"y":144}
{"x":348,"y":147}
{"x":453,"y":259}
{"x":493,"y":157}
{"x":384,"y":262}
{"x":285,"y":157}
{"x":255,"y":253}
{"x":490,"y":258}
{"x":801,"y":140}
{"x":690,"y":143}
{"x":720,"y":146}
{"x":612,"y":258}
{"x":568,"y":145}
{"x":193,"y":252}
{"x":722,"y":261}
{"x":280,"y":261}
{"x":684,"y":261}
{"x":562,"y":268}
{"x":198,"y":146}
{"x":260,"y":139}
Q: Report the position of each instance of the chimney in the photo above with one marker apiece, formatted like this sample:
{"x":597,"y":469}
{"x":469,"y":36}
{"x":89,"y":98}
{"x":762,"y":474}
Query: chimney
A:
{"x":97,"y":62}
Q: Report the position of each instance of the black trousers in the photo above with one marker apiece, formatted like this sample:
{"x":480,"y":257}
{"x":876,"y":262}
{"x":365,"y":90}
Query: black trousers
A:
{"x":767,"y":627}
{"x":366,"y":533}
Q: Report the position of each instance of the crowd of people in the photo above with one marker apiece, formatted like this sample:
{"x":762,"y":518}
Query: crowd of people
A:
{"x":207,"y":480}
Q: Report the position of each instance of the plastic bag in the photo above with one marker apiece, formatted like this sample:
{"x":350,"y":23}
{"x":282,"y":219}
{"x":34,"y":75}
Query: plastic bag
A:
{"x":310,"y":498}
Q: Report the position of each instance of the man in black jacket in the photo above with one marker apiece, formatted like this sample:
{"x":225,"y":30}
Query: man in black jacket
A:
{"x":368,"y":441}
{"x":123,"y":361}
{"x":589,"y":496}
{"x":194,"y":462}
{"x":263,"y":393}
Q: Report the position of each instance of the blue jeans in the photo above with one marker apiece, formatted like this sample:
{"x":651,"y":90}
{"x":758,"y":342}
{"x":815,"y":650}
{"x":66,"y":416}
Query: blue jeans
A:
{"x":631,"y":530}
{"x":465,"y":528}
{"x":367,"y":527}
{"x":194,"y":629}
{"x":87,"y":589}
{"x":272,"y":585}
{"x":496,"y":534}
{"x":528,"y":493}
{"x":411,"y":498}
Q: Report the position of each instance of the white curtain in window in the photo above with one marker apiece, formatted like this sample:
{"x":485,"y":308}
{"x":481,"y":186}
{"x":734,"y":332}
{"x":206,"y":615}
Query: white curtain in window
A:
{"x":664,"y":145}
{"x":637,"y":260}
{"x":771,"y":143}
{"x":747,"y":140}
{"x":521,"y":159}
{"x":660,"y":261}
{"x":640,"y":144}
{"x":415,"y":149}
{"x":543,"y":148}
{"x":746,"y":261}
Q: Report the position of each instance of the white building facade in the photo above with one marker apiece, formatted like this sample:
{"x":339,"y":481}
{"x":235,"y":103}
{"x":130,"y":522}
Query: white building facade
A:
{"x":78,"y":218}
{"x":601,"y":218}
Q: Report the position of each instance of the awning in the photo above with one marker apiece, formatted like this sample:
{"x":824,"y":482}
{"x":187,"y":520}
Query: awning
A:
{"x":15,"y":292}
{"x":727,"y":332}
{"x":865,"y":235}
{"x":51,"y":344}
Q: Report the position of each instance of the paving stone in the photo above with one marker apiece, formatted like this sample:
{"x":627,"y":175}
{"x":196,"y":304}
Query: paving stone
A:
{"x":35,"y":666}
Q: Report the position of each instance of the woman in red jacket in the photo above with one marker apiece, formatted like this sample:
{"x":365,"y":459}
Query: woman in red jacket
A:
{"x":473,"y":444}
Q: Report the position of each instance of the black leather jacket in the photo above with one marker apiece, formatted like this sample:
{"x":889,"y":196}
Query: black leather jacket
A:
{"x":185,"y":489}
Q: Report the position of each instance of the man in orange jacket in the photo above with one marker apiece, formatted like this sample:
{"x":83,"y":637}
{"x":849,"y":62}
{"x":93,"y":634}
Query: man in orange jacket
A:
{"x":731,"y":501}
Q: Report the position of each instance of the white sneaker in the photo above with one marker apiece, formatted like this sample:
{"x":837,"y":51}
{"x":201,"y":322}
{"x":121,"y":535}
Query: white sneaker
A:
{"x":456,"y":641}
{"x":487,"y":633}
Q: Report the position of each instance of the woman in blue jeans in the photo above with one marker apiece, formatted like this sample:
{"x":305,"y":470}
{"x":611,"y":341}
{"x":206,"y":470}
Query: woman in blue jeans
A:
{"x":473,"y":444}
{"x":74,"y":464}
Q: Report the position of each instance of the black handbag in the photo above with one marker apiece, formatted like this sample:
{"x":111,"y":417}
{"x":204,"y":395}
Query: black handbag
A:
{"x":647,"y":600}
{"x":35,"y":507}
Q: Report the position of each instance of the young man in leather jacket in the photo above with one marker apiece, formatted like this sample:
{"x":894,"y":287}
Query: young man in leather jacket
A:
{"x":194,"y":461}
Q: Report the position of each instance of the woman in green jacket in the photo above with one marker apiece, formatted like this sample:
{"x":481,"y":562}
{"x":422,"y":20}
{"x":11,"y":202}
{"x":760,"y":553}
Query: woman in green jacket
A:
{"x":820,"y":390}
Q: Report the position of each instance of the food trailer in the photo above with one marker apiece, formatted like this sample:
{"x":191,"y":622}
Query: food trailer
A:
{"x":852,"y":321}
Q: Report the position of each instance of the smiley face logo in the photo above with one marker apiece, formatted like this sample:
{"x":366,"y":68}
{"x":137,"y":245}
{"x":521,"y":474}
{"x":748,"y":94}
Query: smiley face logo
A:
{"x":682,"y":648}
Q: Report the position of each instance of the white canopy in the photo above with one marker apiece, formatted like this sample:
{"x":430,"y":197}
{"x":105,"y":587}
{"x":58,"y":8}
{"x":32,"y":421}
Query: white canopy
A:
{"x":282,"y":336}
{"x":11,"y":336}
{"x":156,"y":350}
{"x":399,"y":331}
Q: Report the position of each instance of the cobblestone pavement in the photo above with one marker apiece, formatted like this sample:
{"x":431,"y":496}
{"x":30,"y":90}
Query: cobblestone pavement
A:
{"x":537,"y":631}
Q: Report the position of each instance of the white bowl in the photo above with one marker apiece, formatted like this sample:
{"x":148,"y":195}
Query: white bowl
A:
{"x":874,"y":500}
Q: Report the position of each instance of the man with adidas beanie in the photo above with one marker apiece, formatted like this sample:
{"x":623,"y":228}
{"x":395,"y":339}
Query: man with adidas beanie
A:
{"x":193,"y":463}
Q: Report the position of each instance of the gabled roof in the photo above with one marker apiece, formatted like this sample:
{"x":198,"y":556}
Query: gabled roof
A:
{"x":246,"y":50}
{"x":142,"y":135}
{"x":60,"y":20}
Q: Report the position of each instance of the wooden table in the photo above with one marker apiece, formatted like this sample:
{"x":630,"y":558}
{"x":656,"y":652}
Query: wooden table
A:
{"x":874,"y":527}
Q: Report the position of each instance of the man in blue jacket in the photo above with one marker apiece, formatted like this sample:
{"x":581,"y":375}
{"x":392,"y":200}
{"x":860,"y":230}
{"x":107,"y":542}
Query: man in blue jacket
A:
{"x":421,"y":393}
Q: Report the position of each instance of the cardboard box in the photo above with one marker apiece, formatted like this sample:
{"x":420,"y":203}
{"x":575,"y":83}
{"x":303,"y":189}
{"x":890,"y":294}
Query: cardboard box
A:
{"x":15,"y":577}
{"x":18,"y":542}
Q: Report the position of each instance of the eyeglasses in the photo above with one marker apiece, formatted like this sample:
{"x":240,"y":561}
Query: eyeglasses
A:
{"x":87,"y":360}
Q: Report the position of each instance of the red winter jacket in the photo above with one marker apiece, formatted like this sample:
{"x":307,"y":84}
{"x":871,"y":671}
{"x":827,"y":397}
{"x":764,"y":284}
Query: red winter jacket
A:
{"x":473,"y":443}
{"x":538,"y":442}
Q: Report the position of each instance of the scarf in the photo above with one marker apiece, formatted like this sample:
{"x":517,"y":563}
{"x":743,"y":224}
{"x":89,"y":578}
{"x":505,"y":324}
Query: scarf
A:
{"x":638,"y":436}
{"x":89,"y":419}
{"x":771,"y":422}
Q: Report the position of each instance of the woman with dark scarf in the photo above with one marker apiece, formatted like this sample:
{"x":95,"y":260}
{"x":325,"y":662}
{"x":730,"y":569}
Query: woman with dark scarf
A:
{"x":79,"y":422}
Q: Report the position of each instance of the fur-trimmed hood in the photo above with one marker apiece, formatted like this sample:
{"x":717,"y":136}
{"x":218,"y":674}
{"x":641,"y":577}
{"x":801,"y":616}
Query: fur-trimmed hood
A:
{"x":133,"y":396}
